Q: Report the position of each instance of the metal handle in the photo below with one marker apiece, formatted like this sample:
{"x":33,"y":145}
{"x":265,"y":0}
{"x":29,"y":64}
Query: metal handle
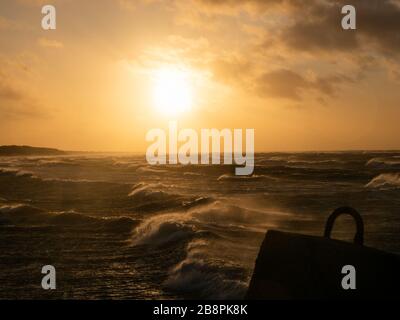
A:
{"x":359,"y":237}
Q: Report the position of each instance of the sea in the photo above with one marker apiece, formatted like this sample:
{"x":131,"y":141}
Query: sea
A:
{"x":115,"y":227}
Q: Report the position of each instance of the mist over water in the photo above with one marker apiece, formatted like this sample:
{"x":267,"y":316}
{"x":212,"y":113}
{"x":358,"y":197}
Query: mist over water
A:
{"x":115,"y":227}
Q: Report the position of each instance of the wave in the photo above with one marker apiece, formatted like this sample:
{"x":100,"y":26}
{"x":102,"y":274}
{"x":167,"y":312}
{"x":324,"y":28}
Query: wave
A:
{"x":17,"y":172}
{"x":197,"y":202}
{"x":203,"y":214}
{"x":213,"y":265}
{"x":27,"y":215}
{"x":153,"y":197}
{"x":390,"y":162}
{"x":252,"y":177}
{"x":189,"y":173}
{"x":220,"y":213}
{"x":276,"y":158}
{"x":15,"y":208}
{"x":299,"y":161}
{"x":385,"y":181}
{"x":77,"y":180}
{"x":292,"y":159}
{"x":218,"y":218}
{"x":144,"y":192}
{"x":126,"y":164}
{"x":161,"y":230}
{"x":59,"y":162}
{"x":144,"y":189}
{"x":208,"y":278}
{"x":149,"y":169}
{"x":120,"y":224}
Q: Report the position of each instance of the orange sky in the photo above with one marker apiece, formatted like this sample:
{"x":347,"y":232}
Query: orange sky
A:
{"x":282,"y":67}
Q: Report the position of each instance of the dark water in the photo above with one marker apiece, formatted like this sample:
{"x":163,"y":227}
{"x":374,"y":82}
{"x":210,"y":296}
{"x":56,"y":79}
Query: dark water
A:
{"x":115,"y":227}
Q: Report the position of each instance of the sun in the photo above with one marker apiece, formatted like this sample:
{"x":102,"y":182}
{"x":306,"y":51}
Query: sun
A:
{"x":172,"y":91}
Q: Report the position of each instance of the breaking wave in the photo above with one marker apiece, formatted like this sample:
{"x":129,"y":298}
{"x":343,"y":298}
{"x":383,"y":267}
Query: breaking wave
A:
{"x":189,"y":173}
{"x":206,"y":270}
{"x":57,"y":162}
{"x":154,"y":197}
{"x":299,"y":161}
{"x":385,"y":181}
{"x":177,"y":229}
{"x":151,"y":197}
{"x":32,"y":175}
{"x":17,"y":172}
{"x":26,"y":215}
{"x":149,"y":169}
{"x":221,"y":213}
{"x":385,"y":162}
{"x":161,"y":230}
{"x":236,"y":177}
{"x":206,"y":277}
{"x":149,"y":190}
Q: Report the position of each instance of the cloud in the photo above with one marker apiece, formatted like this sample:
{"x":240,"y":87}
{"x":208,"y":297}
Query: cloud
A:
{"x":38,"y":2}
{"x":319,"y":28}
{"x":303,"y":35}
{"x":50,"y":43}
{"x":242,"y":3}
{"x":282,"y":83}
{"x":268,"y":47}
{"x":15,"y":99}
{"x":127,"y":4}
{"x":316,"y":24}
{"x":232,"y":69}
{"x":288,"y":84}
{"x":379,"y":21}
{"x":9,"y":93}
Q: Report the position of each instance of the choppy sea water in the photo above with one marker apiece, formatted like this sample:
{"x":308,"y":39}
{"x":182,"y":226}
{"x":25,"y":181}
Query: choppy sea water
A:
{"x":115,"y":227}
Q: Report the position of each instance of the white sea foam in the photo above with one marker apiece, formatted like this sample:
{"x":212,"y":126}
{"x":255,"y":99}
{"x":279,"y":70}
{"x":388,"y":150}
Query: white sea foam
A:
{"x":162,"y":229}
{"x":201,"y":274}
{"x":393,"y":161}
{"x":385,"y":181}
{"x":235,"y":177}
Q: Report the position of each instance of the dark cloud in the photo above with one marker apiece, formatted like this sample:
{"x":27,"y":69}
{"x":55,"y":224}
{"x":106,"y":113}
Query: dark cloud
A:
{"x":232,"y":70}
{"x":282,"y":83}
{"x":7,"y":92}
{"x":319,"y":28}
{"x":259,"y":3}
{"x":316,"y":24}
{"x":313,"y":28}
{"x":288,"y":84}
{"x":16,"y":102}
{"x":323,"y":31}
{"x":380,"y":21}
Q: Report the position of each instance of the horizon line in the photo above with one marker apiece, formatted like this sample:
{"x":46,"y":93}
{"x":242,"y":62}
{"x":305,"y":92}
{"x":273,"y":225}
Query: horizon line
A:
{"x":262,"y":151}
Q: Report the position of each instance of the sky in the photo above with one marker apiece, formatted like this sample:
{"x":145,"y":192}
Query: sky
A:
{"x":285,"y":68}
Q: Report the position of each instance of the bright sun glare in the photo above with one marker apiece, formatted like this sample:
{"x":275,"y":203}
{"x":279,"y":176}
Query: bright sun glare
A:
{"x":172,"y":92}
